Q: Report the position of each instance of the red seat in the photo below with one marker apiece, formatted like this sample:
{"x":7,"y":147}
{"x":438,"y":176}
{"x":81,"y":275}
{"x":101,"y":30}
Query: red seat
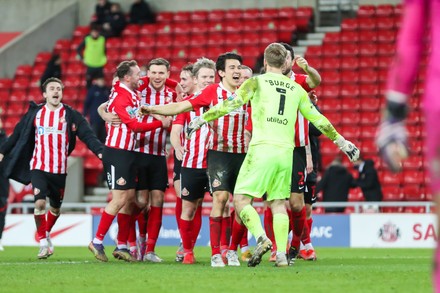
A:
{"x":350,"y":63}
{"x":349,"y":36}
{"x":183,"y":28}
{"x":328,"y":147}
{"x":355,"y":194}
{"x":199,"y":28}
{"x":386,"y":49}
{"x":163,"y":29}
{"x":367,"y":62}
{"x":385,"y":10}
{"x":38,"y":69}
{"x":314,"y":51}
{"x":385,"y":23}
{"x":392,"y":209}
{"x":330,"y":105}
{"x":368,"y":131}
{"x":165,"y":17}
{"x":269,"y":13}
{"x":164,"y":41}
{"x":251,"y":14}
{"x":415,"y":146}
{"x":196,"y":52}
{"x":332,"y":38}
{"x":251,"y":38}
{"x":370,"y":118}
{"x":369,"y":147}
{"x":215,"y":39}
{"x":349,"y":90}
{"x":285,"y":13}
{"x":81,"y":31}
{"x":330,"y":50}
{"x":43,"y":57}
{"x":163,"y":53}
{"x":233,"y":14}
{"x":392,"y":193}
{"x":20,"y":82}
{"x":329,"y":90}
{"x":349,"y":50}
{"x":182,"y":16}
{"x":74,"y":81}
{"x":415,"y":210}
{"x":368,"y":49}
{"x":198,"y":40}
{"x":285,"y":29}
{"x":75,"y":69}
{"x":350,"y":118}
{"x":328,"y":64}
{"x":268,"y":25}
{"x":182,"y":41}
{"x":131,"y":30}
{"x":367,"y":24}
{"x":351,"y":133}
{"x":366,"y":11}
{"x":368,"y":76}
{"x":388,"y":178}
{"x":145,"y":42}
{"x":148,"y":30}
{"x":366,"y":36}
{"x":413,"y":192}
{"x":349,"y":24}
{"x":216,"y":15}
{"x":23,"y":71}
{"x":414,"y":176}
{"x":62,"y":45}
{"x":351,"y":104}
{"x":215,"y":26}
{"x":113,"y":43}
{"x":386,"y":36}
{"x":370,"y":91}
{"x":199,"y":16}
{"x":253,"y":26}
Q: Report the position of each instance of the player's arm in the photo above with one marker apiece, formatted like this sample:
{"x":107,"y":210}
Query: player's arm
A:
{"x":176,"y":131}
{"x":106,"y":116}
{"x":168,"y":109}
{"x":239,"y":98}
{"x":313,"y":77}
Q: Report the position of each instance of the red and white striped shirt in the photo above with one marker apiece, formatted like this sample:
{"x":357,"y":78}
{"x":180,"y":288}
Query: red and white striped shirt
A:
{"x":197,"y":146}
{"x":124,"y":103}
{"x":301,"y":124}
{"x":227,"y":131}
{"x":154,"y":142}
{"x":51,"y":141}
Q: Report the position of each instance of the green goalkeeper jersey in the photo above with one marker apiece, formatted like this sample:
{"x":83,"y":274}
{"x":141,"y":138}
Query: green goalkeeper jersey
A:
{"x":275,"y":100}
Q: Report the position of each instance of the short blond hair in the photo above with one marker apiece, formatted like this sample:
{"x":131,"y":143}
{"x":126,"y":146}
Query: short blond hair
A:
{"x":202,"y":63}
{"x":275,"y":55}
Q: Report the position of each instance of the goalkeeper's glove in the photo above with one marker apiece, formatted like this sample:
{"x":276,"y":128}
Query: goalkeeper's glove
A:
{"x":348,"y":148}
{"x":194,"y":125}
{"x":392,"y":136}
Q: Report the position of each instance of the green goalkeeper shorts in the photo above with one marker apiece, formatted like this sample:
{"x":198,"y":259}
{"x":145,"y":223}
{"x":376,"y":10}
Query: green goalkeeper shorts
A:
{"x":266,"y":168}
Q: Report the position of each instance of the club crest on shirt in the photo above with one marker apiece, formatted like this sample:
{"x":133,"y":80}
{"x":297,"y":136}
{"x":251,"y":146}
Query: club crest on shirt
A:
{"x":185,"y":192}
{"x":196,"y":94}
{"x":121,"y":181}
{"x":141,"y":82}
{"x":62,"y":120}
{"x":216,"y":183}
{"x":36,"y":191}
{"x":131,"y":111}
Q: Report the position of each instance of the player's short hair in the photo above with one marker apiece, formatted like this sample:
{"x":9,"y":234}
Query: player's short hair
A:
{"x":159,"y":61}
{"x":289,"y":48}
{"x":124,"y":68}
{"x":51,"y":79}
{"x":188,"y":67}
{"x":203,"y":63}
{"x":275,"y":55}
{"x":242,"y":66}
{"x":221,"y":60}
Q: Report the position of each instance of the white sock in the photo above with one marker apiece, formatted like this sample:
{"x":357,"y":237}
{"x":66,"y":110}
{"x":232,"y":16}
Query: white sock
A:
{"x":309,"y":246}
{"x":301,"y":246}
{"x":97,"y":241}
{"x":244,"y":249}
{"x":43,"y":242}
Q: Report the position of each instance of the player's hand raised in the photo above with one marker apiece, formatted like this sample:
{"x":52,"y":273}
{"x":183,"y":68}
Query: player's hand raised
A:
{"x":193,"y":126}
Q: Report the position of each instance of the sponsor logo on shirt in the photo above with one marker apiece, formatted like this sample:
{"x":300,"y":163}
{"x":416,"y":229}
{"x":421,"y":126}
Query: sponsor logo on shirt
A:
{"x":277,"y":120}
{"x":49,"y":130}
{"x":131,"y":111}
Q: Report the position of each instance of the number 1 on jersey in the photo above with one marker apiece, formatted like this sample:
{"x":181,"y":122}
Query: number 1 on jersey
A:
{"x":282,"y":100}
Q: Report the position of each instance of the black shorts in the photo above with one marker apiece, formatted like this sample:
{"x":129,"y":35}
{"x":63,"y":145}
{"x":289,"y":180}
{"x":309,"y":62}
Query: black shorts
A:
{"x":194,"y":183}
{"x":299,"y":170}
{"x":310,"y":193}
{"x":119,"y":168}
{"x":49,"y":185}
{"x":223,"y":170}
{"x":176,"y":168}
{"x":152,"y":172}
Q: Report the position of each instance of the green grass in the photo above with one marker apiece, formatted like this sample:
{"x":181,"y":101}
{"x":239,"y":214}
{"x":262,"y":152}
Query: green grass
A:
{"x":73,"y":269}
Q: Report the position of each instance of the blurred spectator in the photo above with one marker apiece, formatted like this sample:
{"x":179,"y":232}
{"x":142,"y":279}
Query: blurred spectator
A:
{"x":4,"y":186}
{"x":141,"y":12}
{"x":53,"y":68}
{"x":92,"y":52}
{"x":335,"y":184}
{"x":114,"y":22}
{"x":102,"y":10}
{"x":368,"y":180}
{"x":97,"y":94}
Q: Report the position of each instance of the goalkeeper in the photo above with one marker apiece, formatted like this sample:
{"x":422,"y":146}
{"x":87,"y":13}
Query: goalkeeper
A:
{"x":267,"y":167}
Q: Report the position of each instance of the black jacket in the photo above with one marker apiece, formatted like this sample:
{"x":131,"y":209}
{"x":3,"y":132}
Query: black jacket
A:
{"x":4,"y":182}
{"x":336,"y":183}
{"x":19,"y":147}
{"x":368,"y":181}
{"x":141,"y":12}
{"x":96,"y":95}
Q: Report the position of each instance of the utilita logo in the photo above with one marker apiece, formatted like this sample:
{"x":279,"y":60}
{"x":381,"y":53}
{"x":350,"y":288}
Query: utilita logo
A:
{"x":389,"y":232}
{"x":56,"y":233}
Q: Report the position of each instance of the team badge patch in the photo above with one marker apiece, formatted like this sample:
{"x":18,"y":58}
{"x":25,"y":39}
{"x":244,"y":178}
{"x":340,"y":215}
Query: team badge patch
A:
{"x":185,"y":192}
{"x":216,"y":183}
{"x":131,"y":111}
{"x":121,"y":181}
{"x":36,"y":191}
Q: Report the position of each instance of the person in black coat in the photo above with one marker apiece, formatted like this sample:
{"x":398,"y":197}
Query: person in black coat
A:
{"x":97,"y":94}
{"x":141,"y":12}
{"x":102,"y":10}
{"x":368,"y":180}
{"x":4,"y":187}
{"x":37,"y":152}
{"x":114,"y":22}
{"x":53,"y":68}
{"x":335,"y":184}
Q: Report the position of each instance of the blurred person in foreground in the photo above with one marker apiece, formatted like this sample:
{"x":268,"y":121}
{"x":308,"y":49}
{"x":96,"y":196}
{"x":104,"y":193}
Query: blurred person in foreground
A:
{"x":392,"y":135}
{"x":4,"y":186}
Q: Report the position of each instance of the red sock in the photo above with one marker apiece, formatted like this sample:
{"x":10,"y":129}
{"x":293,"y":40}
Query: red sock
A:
{"x":225,"y":237}
{"x":40,"y":223}
{"x":132,"y":231}
{"x":268,"y":227}
{"x":186,"y":228}
{"x":123,"y":228}
{"x":215,"y":227}
{"x":305,"y":238}
{"x":197,"y":225}
{"x":104,"y":225}
{"x":244,"y":240}
{"x":142,"y":223}
{"x":50,"y":220}
{"x":178,"y":210}
{"x":298,"y":221}
{"x":237,"y":235}
{"x":153,"y":227}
